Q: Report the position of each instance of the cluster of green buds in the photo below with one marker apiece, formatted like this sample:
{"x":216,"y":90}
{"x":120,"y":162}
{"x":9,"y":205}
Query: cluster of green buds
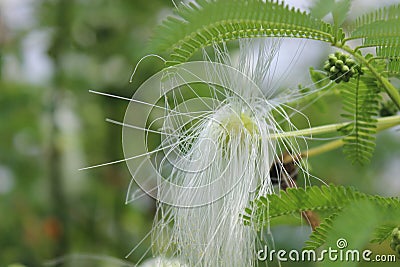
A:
{"x":340,"y":67}
{"x":395,"y":244}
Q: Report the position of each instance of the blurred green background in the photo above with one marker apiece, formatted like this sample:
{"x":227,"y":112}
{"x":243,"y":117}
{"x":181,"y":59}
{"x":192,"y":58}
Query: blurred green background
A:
{"x":51,"y":53}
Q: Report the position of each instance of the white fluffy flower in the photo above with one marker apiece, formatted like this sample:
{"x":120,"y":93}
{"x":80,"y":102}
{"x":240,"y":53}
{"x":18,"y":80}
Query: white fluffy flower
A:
{"x":222,"y":157}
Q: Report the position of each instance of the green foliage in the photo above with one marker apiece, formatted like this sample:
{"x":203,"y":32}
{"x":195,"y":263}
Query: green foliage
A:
{"x":318,"y":236}
{"x":392,"y":53}
{"x":319,"y":79}
{"x":98,"y":52}
{"x":349,"y":210}
{"x":395,"y":242}
{"x":321,"y":8}
{"x":383,"y":232}
{"x":207,"y":22}
{"x":339,"y":10}
{"x":381,"y":29}
{"x":295,"y":200}
{"x":356,"y":225}
{"x":203,"y":23}
{"x":361,"y":103}
{"x":368,"y":25}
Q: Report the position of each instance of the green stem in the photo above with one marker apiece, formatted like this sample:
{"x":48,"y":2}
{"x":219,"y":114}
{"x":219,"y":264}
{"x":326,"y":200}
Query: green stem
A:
{"x":390,"y":89}
{"x":383,"y":123}
{"x":323,"y":148}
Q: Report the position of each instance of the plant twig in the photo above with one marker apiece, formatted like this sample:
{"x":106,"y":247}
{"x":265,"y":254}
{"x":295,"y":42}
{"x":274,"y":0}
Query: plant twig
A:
{"x":288,"y":164}
{"x":383,"y":123}
{"x":389,"y":88}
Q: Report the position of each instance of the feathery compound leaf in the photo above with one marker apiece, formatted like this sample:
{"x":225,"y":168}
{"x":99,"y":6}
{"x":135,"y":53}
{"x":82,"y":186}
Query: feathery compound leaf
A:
{"x":205,"y":22}
{"x":339,"y":10}
{"x":380,"y":15}
{"x":391,"y":52}
{"x":361,"y":103}
{"x":321,"y":8}
{"x":353,"y":228}
{"x":350,"y":209}
{"x":383,"y":232}
{"x":295,"y":200}
{"x":382,"y":30}
{"x":318,"y":236}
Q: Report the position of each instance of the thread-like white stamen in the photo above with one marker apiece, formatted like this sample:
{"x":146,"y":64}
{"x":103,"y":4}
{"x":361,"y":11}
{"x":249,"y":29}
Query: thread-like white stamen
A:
{"x":220,"y":145}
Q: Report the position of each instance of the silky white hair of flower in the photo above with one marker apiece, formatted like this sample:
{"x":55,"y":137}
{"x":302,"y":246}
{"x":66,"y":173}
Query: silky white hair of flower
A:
{"x":229,"y":146}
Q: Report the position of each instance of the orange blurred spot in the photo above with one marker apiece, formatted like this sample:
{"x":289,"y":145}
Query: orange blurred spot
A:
{"x":52,"y":228}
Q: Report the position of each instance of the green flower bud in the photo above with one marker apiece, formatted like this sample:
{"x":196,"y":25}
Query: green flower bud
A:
{"x":395,"y":230}
{"x":350,"y":62}
{"x":339,"y":64}
{"x":393,"y":245}
{"x":334,"y":70}
{"x":343,"y":57}
{"x":327,"y":66}
{"x":340,"y":67}
{"x":332,"y":59}
{"x":346,"y":78}
{"x":396,"y":235}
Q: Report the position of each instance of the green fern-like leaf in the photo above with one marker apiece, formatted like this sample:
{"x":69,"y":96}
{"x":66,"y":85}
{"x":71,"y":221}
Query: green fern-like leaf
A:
{"x":361,"y":105}
{"x":392,"y":53}
{"x":354,"y":215}
{"x":205,"y":22}
{"x":296,"y":200}
{"x":355,"y":225}
{"x":383,"y":232}
{"x":394,"y":66}
{"x":340,"y":12}
{"x":318,"y":236}
{"x":381,"y":29}
{"x":369,"y":24}
{"x":321,"y":8}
